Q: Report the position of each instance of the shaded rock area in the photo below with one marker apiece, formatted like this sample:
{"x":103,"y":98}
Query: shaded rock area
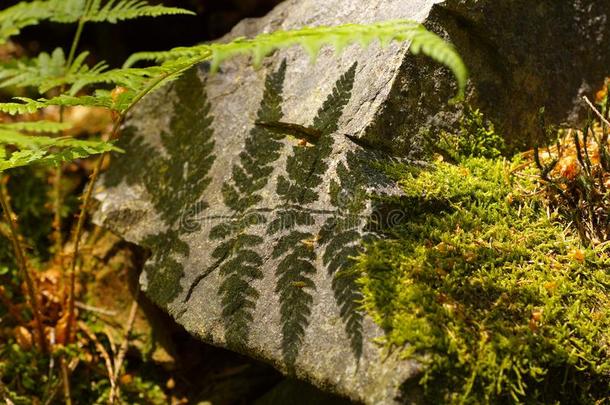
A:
{"x":522,"y":56}
{"x":252,"y":230}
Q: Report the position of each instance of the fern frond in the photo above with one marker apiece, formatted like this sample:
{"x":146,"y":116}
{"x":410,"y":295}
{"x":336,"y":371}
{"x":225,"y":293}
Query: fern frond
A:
{"x":15,"y":18}
{"x":101,"y":98}
{"x":26,"y":107}
{"x":118,"y":10}
{"x":44,"y":150}
{"x":313,"y":39}
{"x":36,"y":126}
{"x":34,"y":72}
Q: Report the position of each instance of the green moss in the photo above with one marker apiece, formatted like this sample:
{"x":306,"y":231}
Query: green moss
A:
{"x":489,"y":291}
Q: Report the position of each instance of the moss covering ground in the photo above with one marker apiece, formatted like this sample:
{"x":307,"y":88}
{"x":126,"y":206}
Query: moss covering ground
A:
{"x":491,"y":291}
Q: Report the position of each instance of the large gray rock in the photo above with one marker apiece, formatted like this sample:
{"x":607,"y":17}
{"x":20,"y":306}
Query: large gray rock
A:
{"x":252,"y":233}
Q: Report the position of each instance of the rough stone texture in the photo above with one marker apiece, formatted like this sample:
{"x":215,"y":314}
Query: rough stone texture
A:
{"x":522,"y":56}
{"x":251,"y":232}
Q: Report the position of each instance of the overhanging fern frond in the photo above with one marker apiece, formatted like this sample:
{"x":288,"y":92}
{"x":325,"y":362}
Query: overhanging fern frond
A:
{"x":34,"y":72}
{"x":35,"y":126}
{"x":313,"y":39}
{"x":15,"y":18}
{"x":118,"y":10}
{"x":27,"y":150}
{"x":101,"y":98}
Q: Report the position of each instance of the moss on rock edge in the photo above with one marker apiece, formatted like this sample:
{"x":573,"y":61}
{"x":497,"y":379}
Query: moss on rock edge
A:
{"x":491,"y":292}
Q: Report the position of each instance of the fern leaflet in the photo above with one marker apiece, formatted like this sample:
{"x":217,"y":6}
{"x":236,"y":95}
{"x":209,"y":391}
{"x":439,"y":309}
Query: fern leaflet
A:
{"x":18,"y":149}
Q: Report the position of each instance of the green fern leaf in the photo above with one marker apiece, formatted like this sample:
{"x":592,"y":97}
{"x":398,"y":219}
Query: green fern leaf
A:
{"x":15,"y":18}
{"x":36,"y":72}
{"x":101,"y":98}
{"x":312,"y":40}
{"x":44,"y":150}
{"x":114,"y":11}
{"x":36,"y":126}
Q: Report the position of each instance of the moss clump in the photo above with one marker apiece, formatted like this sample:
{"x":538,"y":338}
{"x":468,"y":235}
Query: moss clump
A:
{"x":489,"y":290}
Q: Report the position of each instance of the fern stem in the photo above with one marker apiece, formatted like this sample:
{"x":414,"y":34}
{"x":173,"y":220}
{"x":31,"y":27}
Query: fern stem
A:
{"x":155,"y":83}
{"x":57,"y":238}
{"x":58,"y":174}
{"x":22,"y":263}
{"x":77,"y":235}
{"x":86,"y":198}
{"x":57,"y":200}
{"x":79,"y":30}
{"x":75,"y":41}
{"x":118,"y":364}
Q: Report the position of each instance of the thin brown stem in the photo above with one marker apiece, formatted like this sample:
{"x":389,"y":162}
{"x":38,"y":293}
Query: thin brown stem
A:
{"x":77,"y":235}
{"x":118,"y":364}
{"x":65,"y":379}
{"x":57,"y":200}
{"x":596,"y":111}
{"x":102,"y":351}
{"x":22,"y":263}
{"x":71,"y":367}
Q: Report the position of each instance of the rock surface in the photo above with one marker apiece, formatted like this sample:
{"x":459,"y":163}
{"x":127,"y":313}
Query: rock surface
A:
{"x":251,"y":231}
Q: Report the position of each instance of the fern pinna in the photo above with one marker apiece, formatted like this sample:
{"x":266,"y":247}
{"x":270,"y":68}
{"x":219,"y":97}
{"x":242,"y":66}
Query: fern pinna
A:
{"x":296,"y":244}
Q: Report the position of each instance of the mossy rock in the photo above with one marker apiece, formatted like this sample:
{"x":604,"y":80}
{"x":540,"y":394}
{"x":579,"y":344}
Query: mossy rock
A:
{"x":254,"y":232}
{"x":490,"y":291}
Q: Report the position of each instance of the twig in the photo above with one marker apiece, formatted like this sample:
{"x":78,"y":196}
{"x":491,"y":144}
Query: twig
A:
{"x":102,"y":351}
{"x":114,"y":393}
{"x":57,"y":238}
{"x":65,"y":378}
{"x":22,"y":263}
{"x":71,"y":367}
{"x":595,"y":110}
{"x":108,"y":334}
{"x":91,"y":308}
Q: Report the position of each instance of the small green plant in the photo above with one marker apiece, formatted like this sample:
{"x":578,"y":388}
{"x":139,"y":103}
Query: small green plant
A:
{"x":63,"y":79}
{"x":576,"y":171}
{"x":476,"y":137}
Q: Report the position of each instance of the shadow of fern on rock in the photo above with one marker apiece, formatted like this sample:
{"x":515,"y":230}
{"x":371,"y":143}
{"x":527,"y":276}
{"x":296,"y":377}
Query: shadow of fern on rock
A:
{"x":125,"y":167}
{"x":236,"y":256}
{"x":162,"y":270}
{"x":295,"y":248}
{"x":341,"y":236}
{"x":176,"y":182}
